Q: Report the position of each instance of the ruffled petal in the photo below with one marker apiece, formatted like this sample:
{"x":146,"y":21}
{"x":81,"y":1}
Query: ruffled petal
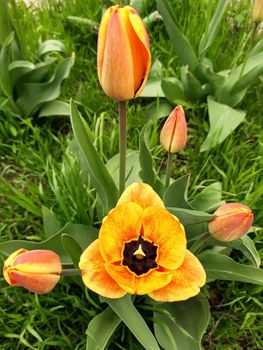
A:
{"x":94,"y":275}
{"x":141,"y":194}
{"x":166,"y":231}
{"x":122,"y":224}
{"x":138,"y":284}
{"x":186,"y":283}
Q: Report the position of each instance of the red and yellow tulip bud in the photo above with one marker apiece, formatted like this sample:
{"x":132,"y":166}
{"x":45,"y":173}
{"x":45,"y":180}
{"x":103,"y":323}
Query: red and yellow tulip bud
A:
{"x":257,"y":12}
{"x":37,"y":270}
{"x":231,"y":221}
{"x":174,"y":132}
{"x":123,"y":57}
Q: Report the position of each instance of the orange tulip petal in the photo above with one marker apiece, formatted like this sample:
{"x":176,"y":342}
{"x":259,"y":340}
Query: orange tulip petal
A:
{"x":138,"y":284}
{"x":141,"y":194}
{"x":186,"y":283}
{"x":102,"y":39}
{"x":37,"y":283}
{"x":94,"y":274}
{"x":122,"y":224}
{"x":142,"y":56}
{"x":117,"y":76}
{"x":38,"y":261}
{"x":166,"y":231}
{"x":9,"y":262}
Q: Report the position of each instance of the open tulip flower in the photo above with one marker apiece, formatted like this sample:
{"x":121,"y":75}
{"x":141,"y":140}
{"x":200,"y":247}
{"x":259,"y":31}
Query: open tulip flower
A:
{"x":37,"y":270}
{"x":123,"y":58}
{"x":141,"y":249}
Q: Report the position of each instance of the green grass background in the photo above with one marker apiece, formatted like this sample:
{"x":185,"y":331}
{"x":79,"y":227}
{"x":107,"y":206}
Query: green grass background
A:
{"x":37,"y":170}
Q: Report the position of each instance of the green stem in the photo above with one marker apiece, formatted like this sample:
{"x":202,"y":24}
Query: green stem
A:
{"x":169,"y":169}
{"x":199,"y":242}
{"x":122,"y":145}
{"x":70,"y":272}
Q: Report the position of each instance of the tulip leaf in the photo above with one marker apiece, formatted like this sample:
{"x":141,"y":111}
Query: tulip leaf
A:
{"x":132,"y":167}
{"x":101,"y":328}
{"x":35,"y":94}
{"x":195,"y":222}
{"x":100,"y":177}
{"x":51,"y":223}
{"x":181,"y":325}
{"x":244,"y":245}
{"x":180,"y":43}
{"x":192,"y":86}
{"x":128,"y":313}
{"x":153,"y":88}
{"x":157,"y":110}
{"x":223,"y":120}
{"x":173,"y":90}
{"x":5,"y":81}
{"x":209,"y":199}
{"x":147,"y":173}
{"x":55,"y":108}
{"x":18,"y":69}
{"x":213,"y":28}
{"x":176,"y":194}
{"x":82,"y":234}
{"x":51,"y":46}
{"x":72,"y":248}
{"x":222,"y":267}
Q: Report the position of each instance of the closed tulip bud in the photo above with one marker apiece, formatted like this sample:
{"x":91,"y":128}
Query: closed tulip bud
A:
{"x":174,"y":132}
{"x":257,"y":12}
{"x":123,"y":58}
{"x":37,"y":270}
{"x":231,"y":221}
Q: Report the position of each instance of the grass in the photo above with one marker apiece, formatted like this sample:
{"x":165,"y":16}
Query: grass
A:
{"x":37,"y":169}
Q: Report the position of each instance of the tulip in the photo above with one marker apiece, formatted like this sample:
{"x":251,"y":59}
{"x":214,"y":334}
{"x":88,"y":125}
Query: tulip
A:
{"x":141,"y":249}
{"x":123,"y":58}
{"x":37,"y":270}
{"x":231,"y":221}
{"x":257,"y":12}
{"x":174,"y":132}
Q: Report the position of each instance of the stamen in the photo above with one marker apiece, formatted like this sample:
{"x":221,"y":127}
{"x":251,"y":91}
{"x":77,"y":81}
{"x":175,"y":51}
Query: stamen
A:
{"x":139,"y":253}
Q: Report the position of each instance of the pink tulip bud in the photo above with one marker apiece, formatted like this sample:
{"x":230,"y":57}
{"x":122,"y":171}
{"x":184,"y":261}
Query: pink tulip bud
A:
{"x":231,"y":221}
{"x":36,"y":270}
{"x":257,"y":12}
{"x":123,"y":58}
{"x":174,"y":132}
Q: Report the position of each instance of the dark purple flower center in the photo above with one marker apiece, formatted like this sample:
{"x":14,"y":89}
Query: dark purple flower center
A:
{"x":140,"y":256}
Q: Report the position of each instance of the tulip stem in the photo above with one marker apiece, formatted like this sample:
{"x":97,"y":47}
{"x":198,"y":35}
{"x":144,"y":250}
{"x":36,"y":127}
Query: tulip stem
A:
{"x":169,"y":167}
{"x":122,"y":145}
{"x":70,"y":272}
{"x":199,"y":242}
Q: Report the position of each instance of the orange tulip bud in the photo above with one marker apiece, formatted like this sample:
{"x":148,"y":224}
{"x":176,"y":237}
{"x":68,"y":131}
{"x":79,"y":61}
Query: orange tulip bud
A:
{"x":36,"y":270}
{"x":123,"y":58}
{"x":174,"y":132}
{"x":232,"y":221}
{"x":257,"y":12}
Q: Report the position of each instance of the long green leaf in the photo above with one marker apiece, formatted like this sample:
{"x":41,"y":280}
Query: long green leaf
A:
{"x":180,"y":43}
{"x":209,"y":199}
{"x":127,"y":312}
{"x":5,"y":80}
{"x":82,"y":234}
{"x":72,"y":248}
{"x":213,"y":28}
{"x":101,"y":328}
{"x":223,"y":120}
{"x":51,"y":223}
{"x":183,"y":323}
{"x":98,"y":172}
{"x":222,"y":267}
{"x":55,"y":108}
{"x":176,"y":193}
